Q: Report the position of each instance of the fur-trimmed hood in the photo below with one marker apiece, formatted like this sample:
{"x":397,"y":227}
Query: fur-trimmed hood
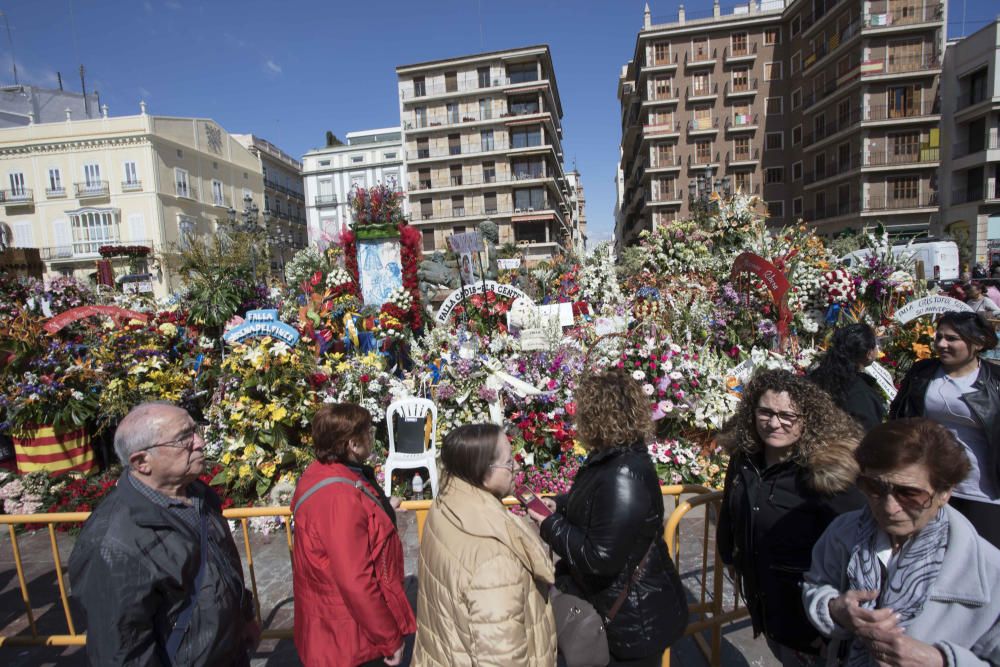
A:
{"x":831,"y":467}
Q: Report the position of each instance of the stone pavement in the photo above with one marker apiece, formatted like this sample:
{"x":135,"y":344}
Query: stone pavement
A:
{"x":272,"y":565}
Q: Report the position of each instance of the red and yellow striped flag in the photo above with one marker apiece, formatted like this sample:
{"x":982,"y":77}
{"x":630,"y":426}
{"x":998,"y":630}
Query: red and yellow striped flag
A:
{"x":46,"y":449}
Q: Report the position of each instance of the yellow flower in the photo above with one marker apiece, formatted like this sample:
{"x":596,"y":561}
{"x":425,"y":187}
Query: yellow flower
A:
{"x":245,"y":470}
{"x":167,"y":329}
{"x":278,"y":412}
{"x":578,"y":448}
{"x":227,"y":458}
{"x":922,"y":351}
{"x":267,"y":469}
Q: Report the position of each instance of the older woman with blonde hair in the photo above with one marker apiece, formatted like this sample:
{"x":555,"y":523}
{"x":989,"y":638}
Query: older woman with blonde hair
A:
{"x":790,"y":474}
{"x":608,"y":530}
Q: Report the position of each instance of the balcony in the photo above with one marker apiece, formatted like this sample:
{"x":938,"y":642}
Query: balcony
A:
{"x":703,"y":125}
{"x":17,"y":197}
{"x":878,"y":112}
{"x":821,"y":11}
{"x":831,"y":169}
{"x":665,"y":162}
{"x":741,"y":89}
{"x":700,"y":59}
{"x":833,"y":127}
{"x":695,"y":93}
{"x":882,"y":203}
{"x":894,"y":64}
{"x":882,"y":157}
{"x":325,"y":200}
{"x":665,"y":196}
{"x":835,"y":210}
{"x":741,"y":122}
{"x":92,"y":189}
{"x":740,"y":158}
{"x":668,"y":94}
{"x":131,"y":186}
{"x":832,"y":44}
{"x":975,"y":192}
{"x":904,"y":15}
{"x":87,"y":250}
{"x":55,"y":193}
{"x":696,"y":161}
{"x":660,"y":129}
{"x":665,"y":60}
{"x":470,"y":181}
{"x":463,"y":149}
{"x":745,"y":53}
{"x":439,"y":89}
{"x":964,"y":148}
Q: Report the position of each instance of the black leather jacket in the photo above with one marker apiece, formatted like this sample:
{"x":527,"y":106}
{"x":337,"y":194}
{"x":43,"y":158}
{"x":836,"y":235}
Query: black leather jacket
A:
{"x":601,"y":531}
{"x":983,"y":402}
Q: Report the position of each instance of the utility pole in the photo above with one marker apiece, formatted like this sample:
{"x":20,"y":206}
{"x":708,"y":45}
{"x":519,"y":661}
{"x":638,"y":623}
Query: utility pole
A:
{"x":10,"y":40}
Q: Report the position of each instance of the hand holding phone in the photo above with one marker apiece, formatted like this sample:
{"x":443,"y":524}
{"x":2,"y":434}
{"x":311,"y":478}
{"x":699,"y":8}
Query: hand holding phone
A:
{"x":529,"y":499}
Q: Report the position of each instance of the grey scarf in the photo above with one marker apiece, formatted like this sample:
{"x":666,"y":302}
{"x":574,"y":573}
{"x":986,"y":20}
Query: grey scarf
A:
{"x":906,"y":591}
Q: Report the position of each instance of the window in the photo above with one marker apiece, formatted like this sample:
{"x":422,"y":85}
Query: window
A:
{"x":741,"y":148}
{"x":55,"y":181}
{"x":529,"y":199}
{"x":796,"y":62}
{"x":819,"y":166}
{"x":772,"y":71}
{"x":452,"y":111}
{"x":324,"y":163}
{"x":423,"y":148}
{"x":663,"y":155}
{"x":454,"y":144}
{"x":741,"y":80}
{"x":701,"y":84}
{"x":486,"y":140}
{"x":662,"y":88}
{"x":796,"y":98}
{"x":905,"y":191}
{"x":420,"y":116}
{"x":527,"y":168}
{"x":451,"y":82}
{"x":902,"y":101}
{"x":419,"y":86}
{"x":844,"y":156}
{"x":844,"y":195}
{"x":17,"y":188}
{"x":131,"y":174}
{"x":665,"y":189}
{"x":489,"y":203}
{"x":974,"y":88}
{"x":489,"y":172}
{"x":426,"y":208}
{"x":774,"y":141}
{"x":483,"y":74}
{"x":741,"y":115}
{"x":389,"y":156}
{"x":522,"y":72}
{"x":92,"y":176}
{"x":356,"y":159}
{"x":699,"y":49}
{"x":905,"y":144}
{"x":775,"y":209}
{"x":773,"y":106}
{"x":455,"y":171}
{"x":661,"y":53}
{"x":423,"y":179}
{"x":772,"y":36}
{"x":796,"y":25}
{"x":702,"y":118}
{"x":796,"y":171}
{"x":180,"y":153}
{"x":181,"y":177}
{"x":796,"y":135}
{"x":738,"y":42}
{"x":93,"y":228}
{"x":523,"y":105}
{"x":797,"y":207}
{"x":428,"y":237}
{"x":703,"y":152}
{"x":525,"y":137}
{"x":458,"y":205}
{"x":774,"y":175}
{"x":485,"y":109}
{"x":217,"y":197}
{"x":741,"y":181}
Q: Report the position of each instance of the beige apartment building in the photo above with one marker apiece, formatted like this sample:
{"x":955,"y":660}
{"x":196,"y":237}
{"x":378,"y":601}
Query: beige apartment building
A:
{"x":482,"y":136}
{"x":75,"y":186}
{"x":826,"y":110}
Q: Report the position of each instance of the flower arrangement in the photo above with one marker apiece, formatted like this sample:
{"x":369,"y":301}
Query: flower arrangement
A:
{"x":678,"y":462}
{"x":133,"y":251}
{"x":838,"y":286}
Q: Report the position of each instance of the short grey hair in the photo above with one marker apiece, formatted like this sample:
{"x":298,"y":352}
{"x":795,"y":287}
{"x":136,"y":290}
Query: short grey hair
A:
{"x":138,"y":429}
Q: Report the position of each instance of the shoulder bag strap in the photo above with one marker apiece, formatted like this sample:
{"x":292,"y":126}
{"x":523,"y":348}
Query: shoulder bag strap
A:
{"x":356,"y":483}
{"x":184,"y":619}
{"x":636,"y":575}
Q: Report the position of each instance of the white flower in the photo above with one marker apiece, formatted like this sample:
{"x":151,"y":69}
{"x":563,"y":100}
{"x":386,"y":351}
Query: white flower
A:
{"x":638,"y":375}
{"x":648,"y":389}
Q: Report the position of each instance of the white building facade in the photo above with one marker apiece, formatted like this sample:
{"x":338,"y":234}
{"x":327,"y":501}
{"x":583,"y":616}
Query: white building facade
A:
{"x":329,"y":174}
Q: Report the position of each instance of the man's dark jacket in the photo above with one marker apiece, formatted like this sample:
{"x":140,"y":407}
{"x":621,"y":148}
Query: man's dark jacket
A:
{"x":133,"y":568}
{"x":601,"y":532}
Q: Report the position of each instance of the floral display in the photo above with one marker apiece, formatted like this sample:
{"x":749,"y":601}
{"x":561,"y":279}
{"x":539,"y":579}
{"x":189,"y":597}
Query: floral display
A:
{"x":124,"y":251}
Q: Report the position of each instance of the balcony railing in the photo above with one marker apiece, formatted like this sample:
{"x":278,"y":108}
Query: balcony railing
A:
{"x":967,"y":98}
{"x":743,"y":156}
{"x":831,"y":168}
{"x":883,"y":203}
{"x":899,"y":64}
{"x":445,"y":120}
{"x":834,"y":210}
{"x":461,"y":149}
{"x":698,"y":161}
{"x":665,"y":161}
{"x":438,"y":89}
{"x":904,"y":15}
{"x":325,"y":200}
{"x":832,"y":43}
{"x":669,"y":59}
{"x":746,"y":88}
{"x":477,"y":210}
{"x":975,"y":192}
{"x":833,"y":127}
{"x":741,"y":121}
{"x":17,"y":196}
{"x":887,"y":112}
{"x":92,"y":189}
{"x":883,"y":157}
{"x":964,"y":148}
{"x":662,"y":94}
{"x":693,"y":58}
{"x":86,"y":249}
{"x":703,"y":124}
{"x":53,"y":193}
{"x":710,"y":90}
{"x":131,"y":186}
{"x":659,"y":196}
{"x":746,"y":51}
{"x":662,"y":128}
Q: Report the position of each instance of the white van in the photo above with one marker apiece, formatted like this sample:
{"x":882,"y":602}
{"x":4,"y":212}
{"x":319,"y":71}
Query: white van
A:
{"x":935,"y":261}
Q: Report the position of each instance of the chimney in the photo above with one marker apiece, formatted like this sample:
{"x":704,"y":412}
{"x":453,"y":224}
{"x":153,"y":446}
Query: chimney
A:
{"x":716,"y":10}
{"x":104,"y":111}
{"x":647,"y":21}
{"x":680,"y":14}
{"x":69,"y":114}
{"x":142,"y":107}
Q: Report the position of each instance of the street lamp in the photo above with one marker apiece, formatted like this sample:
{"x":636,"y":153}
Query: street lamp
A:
{"x":700,"y":189}
{"x":245,"y":221}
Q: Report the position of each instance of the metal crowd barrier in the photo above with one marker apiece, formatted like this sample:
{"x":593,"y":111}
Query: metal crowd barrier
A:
{"x":707,"y":610}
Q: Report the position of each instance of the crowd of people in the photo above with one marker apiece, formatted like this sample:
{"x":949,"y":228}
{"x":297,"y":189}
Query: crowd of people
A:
{"x":858,"y":535}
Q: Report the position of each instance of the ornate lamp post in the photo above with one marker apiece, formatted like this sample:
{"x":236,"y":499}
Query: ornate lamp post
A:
{"x":246,"y":221}
{"x":700,"y":189}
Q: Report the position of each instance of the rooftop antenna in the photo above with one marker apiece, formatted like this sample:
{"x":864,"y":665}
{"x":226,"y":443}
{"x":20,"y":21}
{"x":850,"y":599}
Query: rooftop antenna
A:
{"x":83,"y":85}
{"x":59,"y":77}
{"x":10,"y":40}
{"x":482,"y":41}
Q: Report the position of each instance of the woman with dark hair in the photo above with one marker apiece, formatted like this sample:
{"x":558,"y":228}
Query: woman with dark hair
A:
{"x":962,"y":394}
{"x":841,"y":374}
{"x":791,"y":473}
{"x":906,"y":580}
{"x":350,"y":604}
{"x":484,"y":573}
{"x":608,"y":530}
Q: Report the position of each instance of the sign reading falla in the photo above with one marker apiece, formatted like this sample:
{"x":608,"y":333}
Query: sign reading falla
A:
{"x":262,"y":324}
{"x":929,"y":305}
{"x":481,"y":287}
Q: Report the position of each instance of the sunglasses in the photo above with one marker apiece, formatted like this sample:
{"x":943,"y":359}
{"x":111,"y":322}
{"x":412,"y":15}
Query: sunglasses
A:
{"x":908,"y":497}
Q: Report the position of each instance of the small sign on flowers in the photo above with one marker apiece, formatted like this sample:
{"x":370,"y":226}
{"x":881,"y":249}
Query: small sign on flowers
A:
{"x":929,"y":305}
{"x":481,"y":287}
{"x":262,"y":324}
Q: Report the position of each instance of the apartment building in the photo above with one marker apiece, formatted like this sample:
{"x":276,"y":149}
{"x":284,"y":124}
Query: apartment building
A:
{"x":78,"y":185}
{"x":970,"y":125}
{"x":483,"y":139}
{"x":368,"y":158}
{"x":284,"y":198}
{"x":826,"y":110}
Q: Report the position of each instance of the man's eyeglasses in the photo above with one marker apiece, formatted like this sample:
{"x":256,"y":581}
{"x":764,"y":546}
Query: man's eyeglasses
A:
{"x":509,"y":466}
{"x":784,"y":418}
{"x":185,"y":441}
{"x":908,"y":497}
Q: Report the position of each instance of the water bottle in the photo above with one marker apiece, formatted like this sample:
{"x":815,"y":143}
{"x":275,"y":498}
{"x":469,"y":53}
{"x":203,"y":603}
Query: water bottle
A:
{"x":418,"y":487}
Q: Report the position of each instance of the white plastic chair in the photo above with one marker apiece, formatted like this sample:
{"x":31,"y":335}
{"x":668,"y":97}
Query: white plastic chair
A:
{"x":412,"y":409}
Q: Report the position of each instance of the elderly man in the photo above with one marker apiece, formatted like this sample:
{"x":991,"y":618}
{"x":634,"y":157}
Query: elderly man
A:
{"x":155,"y":567}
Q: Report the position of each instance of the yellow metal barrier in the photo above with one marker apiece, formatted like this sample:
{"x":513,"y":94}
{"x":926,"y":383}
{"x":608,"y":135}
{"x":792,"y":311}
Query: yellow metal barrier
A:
{"x":709,"y":606}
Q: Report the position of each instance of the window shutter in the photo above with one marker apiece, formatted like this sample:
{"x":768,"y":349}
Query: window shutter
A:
{"x":22,"y":235}
{"x":62,"y":233}
{"x":137,"y":227}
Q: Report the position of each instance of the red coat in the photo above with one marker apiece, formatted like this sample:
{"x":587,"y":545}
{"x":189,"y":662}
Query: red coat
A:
{"x":350,"y":606}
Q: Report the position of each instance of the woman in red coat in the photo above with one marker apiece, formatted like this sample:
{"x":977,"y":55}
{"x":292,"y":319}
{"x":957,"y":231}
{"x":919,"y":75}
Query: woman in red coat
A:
{"x":350,"y":606}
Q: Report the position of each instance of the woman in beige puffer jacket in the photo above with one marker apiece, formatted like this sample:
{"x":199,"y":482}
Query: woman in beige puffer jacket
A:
{"x":484,"y":573}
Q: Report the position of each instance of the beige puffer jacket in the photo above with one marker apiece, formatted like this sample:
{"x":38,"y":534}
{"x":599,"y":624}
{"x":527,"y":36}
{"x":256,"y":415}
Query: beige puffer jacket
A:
{"x":484,"y":580}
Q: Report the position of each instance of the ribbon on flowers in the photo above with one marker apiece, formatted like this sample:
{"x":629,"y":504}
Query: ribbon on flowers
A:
{"x":496,"y":381}
{"x":351,"y":329}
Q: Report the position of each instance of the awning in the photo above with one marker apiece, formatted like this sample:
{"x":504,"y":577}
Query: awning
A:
{"x":532,"y":217}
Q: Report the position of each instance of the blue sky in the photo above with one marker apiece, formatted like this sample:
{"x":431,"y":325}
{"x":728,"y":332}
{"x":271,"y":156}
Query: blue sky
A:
{"x":289,"y":71}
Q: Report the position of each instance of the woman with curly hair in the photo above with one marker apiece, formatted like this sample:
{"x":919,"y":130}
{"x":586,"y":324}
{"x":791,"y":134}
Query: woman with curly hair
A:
{"x":791,"y":473}
{"x":841,"y":374}
{"x":608,"y":530}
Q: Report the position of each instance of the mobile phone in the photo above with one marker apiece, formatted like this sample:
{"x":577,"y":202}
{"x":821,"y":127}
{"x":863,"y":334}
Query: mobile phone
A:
{"x":528,"y":498}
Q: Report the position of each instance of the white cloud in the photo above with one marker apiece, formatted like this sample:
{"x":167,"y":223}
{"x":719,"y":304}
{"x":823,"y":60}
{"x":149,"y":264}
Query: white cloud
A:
{"x":233,"y":40}
{"x":272,"y":67}
{"x":144,"y":93}
{"x":148,"y":6}
{"x":173,"y":4}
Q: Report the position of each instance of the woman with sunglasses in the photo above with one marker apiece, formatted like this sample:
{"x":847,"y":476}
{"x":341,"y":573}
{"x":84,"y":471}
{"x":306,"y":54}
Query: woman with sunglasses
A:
{"x":791,"y":473}
{"x":962,"y":393}
{"x":841,"y":374}
{"x":484,"y":573}
{"x":906,"y":580}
